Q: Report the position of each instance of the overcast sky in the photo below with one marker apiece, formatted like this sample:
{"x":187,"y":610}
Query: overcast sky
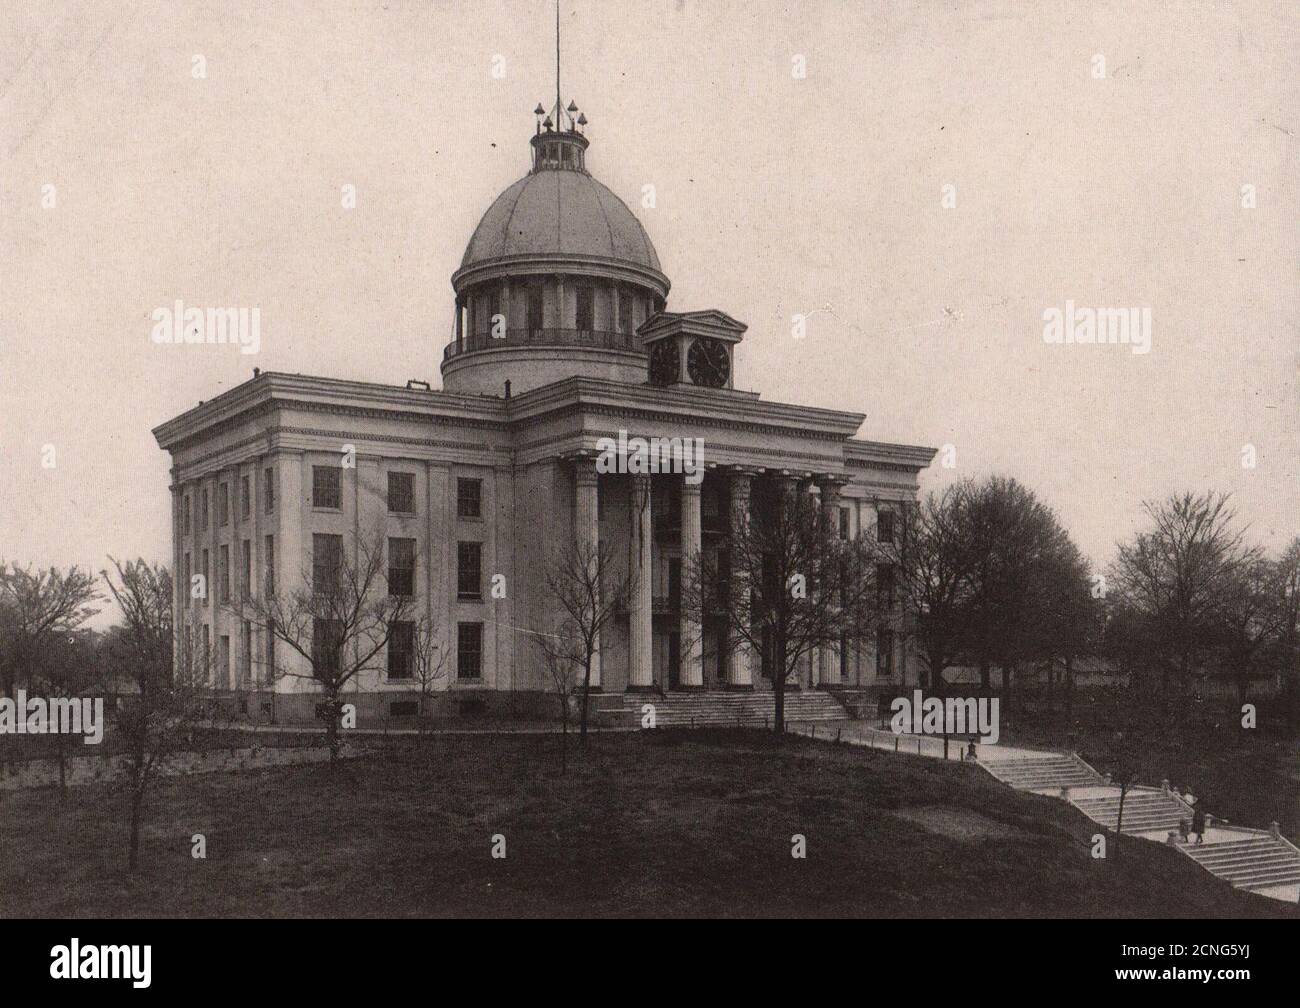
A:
{"x":774,"y":196}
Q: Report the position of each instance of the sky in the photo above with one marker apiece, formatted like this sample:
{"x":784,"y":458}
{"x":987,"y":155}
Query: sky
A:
{"x":198,"y":151}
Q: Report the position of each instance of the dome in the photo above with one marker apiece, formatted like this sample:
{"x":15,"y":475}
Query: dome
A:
{"x":565,"y":213}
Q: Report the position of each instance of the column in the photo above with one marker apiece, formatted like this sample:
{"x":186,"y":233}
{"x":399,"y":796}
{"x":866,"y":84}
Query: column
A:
{"x":586,"y":522}
{"x":692,"y":643}
{"x":828,"y":658}
{"x":640,"y":614}
{"x":742,"y":658}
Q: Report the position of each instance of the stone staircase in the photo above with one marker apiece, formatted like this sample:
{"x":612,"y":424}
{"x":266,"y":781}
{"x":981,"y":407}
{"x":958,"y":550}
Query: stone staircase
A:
{"x":1256,"y":861}
{"x":1146,"y":810}
{"x":730,"y":708}
{"x":1049,"y":772}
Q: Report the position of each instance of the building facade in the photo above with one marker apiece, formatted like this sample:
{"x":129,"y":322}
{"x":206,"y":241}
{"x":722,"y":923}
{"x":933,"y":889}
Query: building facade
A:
{"x":562,"y":337}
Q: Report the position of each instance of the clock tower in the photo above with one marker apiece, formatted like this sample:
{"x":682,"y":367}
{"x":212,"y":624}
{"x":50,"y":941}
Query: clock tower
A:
{"x":691,"y":348}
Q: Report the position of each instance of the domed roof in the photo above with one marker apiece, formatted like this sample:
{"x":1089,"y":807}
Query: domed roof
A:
{"x":560,"y":212}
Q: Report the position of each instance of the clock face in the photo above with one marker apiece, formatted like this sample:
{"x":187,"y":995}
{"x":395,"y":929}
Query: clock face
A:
{"x":708,"y":363}
{"x":665,"y":363}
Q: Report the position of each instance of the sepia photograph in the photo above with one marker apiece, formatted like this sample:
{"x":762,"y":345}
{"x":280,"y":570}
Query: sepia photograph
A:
{"x":654,"y":459}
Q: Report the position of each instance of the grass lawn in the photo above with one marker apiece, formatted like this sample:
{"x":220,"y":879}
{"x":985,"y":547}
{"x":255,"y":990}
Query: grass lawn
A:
{"x":661,"y":823}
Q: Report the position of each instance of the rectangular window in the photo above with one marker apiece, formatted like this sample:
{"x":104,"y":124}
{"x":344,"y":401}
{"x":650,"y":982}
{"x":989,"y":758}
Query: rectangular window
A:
{"x":884,"y":652}
{"x":246,"y":655}
{"x":185,"y":514}
{"x":469,"y":651}
{"x":469,"y":570}
{"x":885,"y":526}
{"x":326,"y":562}
{"x":535,"y":315}
{"x":469,"y":498}
{"x":844,"y":523}
{"x":325,"y":646}
{"x":245,"y":504}
{"x":223,"y":572}
{"x":401,"y":566}
{"x":400,"y":647}
{"x":223,"y":505}
{"x":205,"y":656}
{"x":624,"y":310}
{"x":203,"y":510}
{"x":185,"y":585}
{"x":268,"y":489}
{"x":885,"y":585}
{"x":269,"y":671}
{"x":401,"y":493}
{"x":205,"y":577}
{"x":325,"y":486}
{"x":586,"y":309}
{"x":246,"y":570}
{"x":270,"y":565}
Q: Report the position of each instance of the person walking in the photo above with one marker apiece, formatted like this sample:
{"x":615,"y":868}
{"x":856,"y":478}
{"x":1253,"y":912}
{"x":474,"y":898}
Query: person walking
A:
{"x":1198,"y":823}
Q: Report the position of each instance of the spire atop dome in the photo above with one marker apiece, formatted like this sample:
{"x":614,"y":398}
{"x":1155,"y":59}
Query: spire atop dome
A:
{"x":556,"y":147}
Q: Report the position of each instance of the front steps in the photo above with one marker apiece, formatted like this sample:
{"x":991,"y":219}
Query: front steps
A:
{"x":1049,"y":772}
{"x":1145,"y":810}
{"x":721,"y":708}
{"x":1258,"y":861}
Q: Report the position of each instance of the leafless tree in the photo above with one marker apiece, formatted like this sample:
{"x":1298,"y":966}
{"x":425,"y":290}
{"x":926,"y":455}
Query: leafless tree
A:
{"x":34,"y":606}
{"x":588,"y":587}
{"x":158,"y":720}
{"x":67,"y":667}
{"x":428,"y":663}
{"x":564,"y":659}
{"x":790,"y":584}
{"x":339,"y":620}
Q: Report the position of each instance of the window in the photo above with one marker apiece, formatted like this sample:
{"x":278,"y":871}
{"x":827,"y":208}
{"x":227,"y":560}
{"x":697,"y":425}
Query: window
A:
{"x":535,"y":315}
{"x":246,"y":570}
{"x":245,"y":505}
{"x":185,"y":514}
{"x":586,"y":308}
{"x":223,"y":572}
{"x":205,"y":577}
{"x":268,"y":489}
{"x":246,"y":655}
{"x":223,"y":662}
{"x":885,"y":526}
{"x":270,"y":652}
{"x":884,"y":652}
{"x":223,"y":505}
{"x":205,"y":656}
{"x":401,"y":493}
{"x":469,"y":498}
{"x":326,"y":561}
{"x":625,"y":311}
{"x":844,"y":523}
{"x":469,"y":651}
{"x":400,"y":647}
{"x":326,"y":642}
{"x":885,"y":585}
{"x":401,"y":566}
{"x":203,"y":510}
{"x":325,"y":486}
{"x":469,"y":570}
{"x":270,"y":565}
{"x":404,"y":708}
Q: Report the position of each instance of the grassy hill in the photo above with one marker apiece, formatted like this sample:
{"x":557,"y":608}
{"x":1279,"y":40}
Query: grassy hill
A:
{"x":652,"y":824}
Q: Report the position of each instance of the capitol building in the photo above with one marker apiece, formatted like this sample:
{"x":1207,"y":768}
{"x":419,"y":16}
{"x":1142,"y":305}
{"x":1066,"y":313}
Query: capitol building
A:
{"x":563,"y":337}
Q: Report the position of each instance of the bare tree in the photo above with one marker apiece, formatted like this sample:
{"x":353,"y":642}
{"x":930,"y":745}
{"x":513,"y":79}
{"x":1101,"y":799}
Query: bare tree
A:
{"x":67,"y":667}
{"x":36,"y":605}
{"x":589,"y":588}
{"x":428,"y":663}
{"x":338,"y":620}
{"x":799,"y":586}
{"x":564,"y":658}
{"x":159,"y":719}
{"x":1172,"y":577}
